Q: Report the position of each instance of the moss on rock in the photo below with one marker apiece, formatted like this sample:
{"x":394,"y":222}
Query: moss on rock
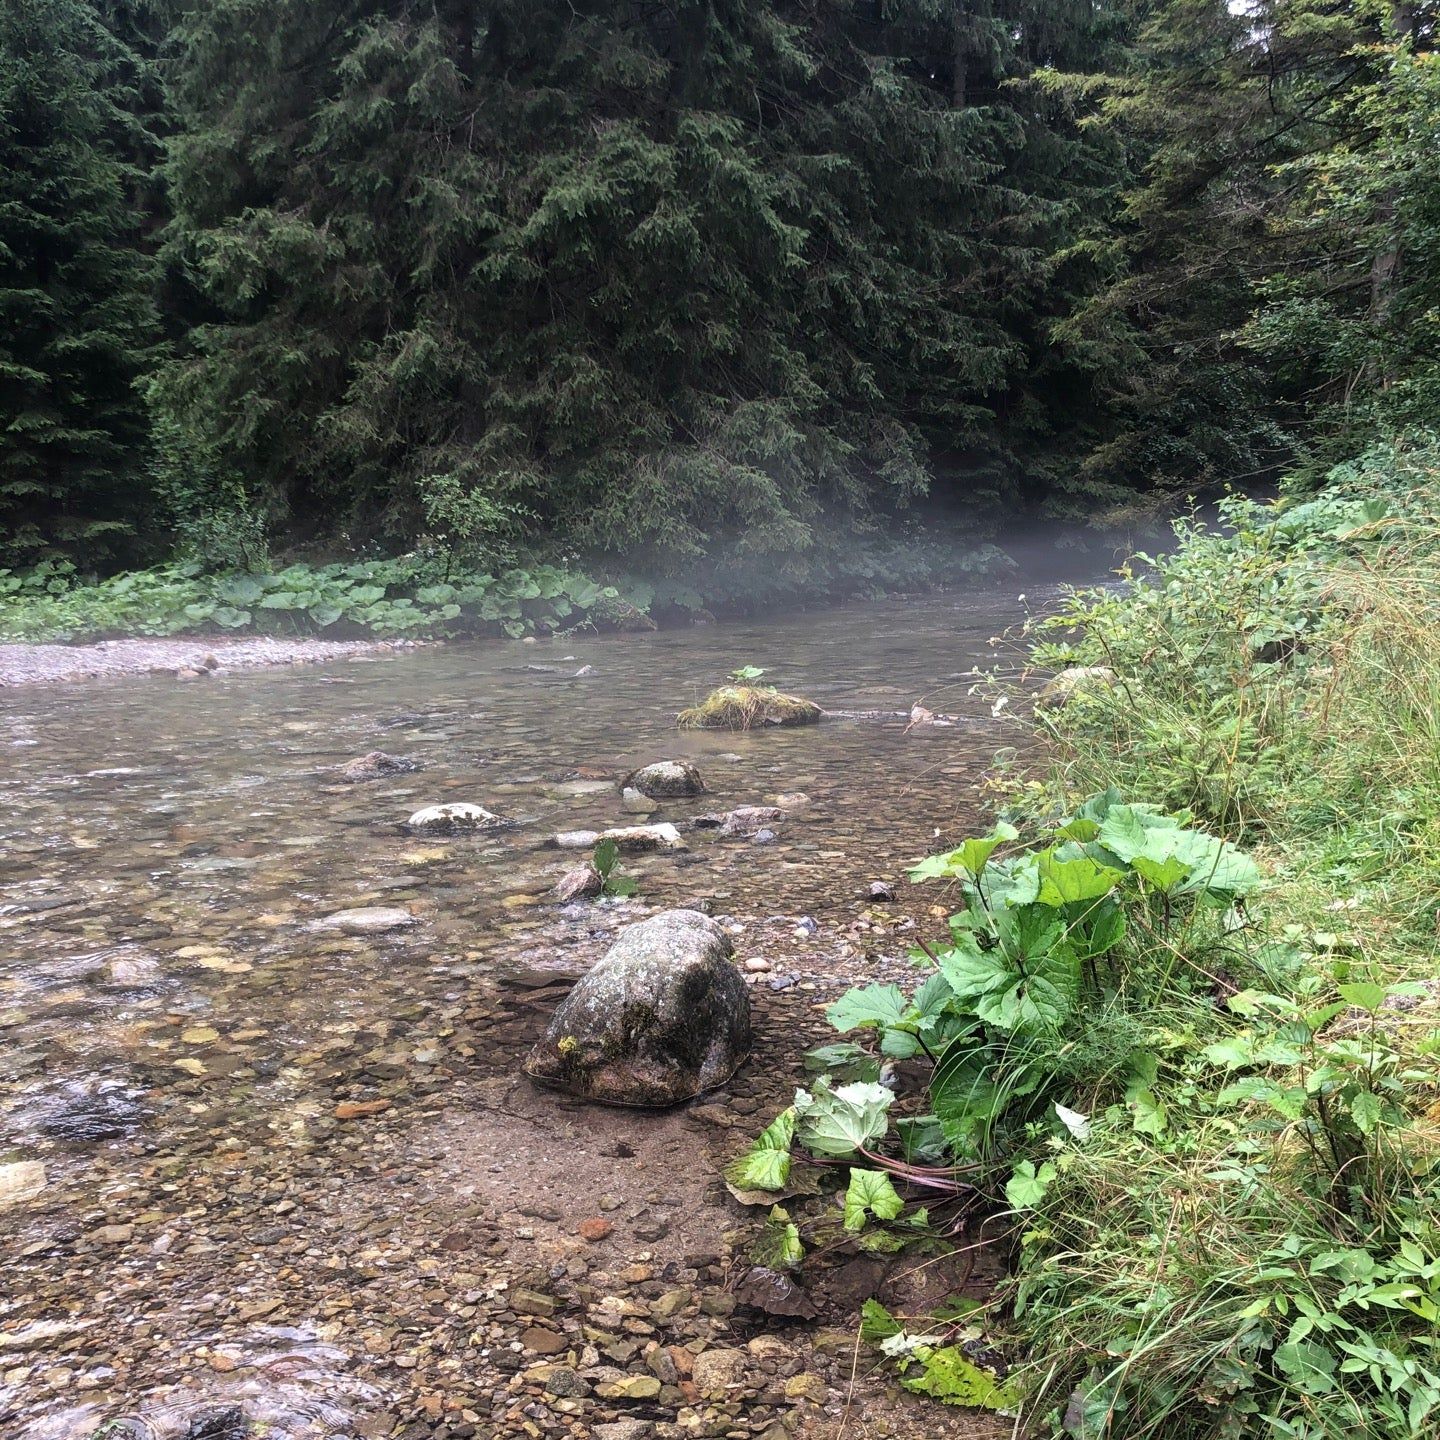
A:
{"x":743,"y":707}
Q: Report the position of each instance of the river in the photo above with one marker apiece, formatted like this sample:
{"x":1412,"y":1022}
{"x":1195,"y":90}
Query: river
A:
{"x":215,"y":1238}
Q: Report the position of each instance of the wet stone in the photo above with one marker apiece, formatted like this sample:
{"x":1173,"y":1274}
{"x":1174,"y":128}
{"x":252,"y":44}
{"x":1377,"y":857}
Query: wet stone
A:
{"x":661,"y":1018}
{"x":543,"y":1341}
{"x":368,"y":920}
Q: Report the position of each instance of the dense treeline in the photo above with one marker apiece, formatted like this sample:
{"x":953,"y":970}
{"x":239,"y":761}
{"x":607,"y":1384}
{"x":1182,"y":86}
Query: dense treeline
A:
{"x":652,"y":278}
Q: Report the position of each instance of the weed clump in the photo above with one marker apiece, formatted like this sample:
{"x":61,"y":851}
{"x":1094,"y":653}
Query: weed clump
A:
{"x":744,"y":707}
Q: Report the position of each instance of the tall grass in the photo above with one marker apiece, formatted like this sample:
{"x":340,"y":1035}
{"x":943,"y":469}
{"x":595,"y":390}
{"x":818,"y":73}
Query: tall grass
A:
{"x":1264,"y":1258}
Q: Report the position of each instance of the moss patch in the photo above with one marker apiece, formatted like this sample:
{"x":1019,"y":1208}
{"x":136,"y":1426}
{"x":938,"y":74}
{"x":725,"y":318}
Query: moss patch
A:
{"x":742,"y":707}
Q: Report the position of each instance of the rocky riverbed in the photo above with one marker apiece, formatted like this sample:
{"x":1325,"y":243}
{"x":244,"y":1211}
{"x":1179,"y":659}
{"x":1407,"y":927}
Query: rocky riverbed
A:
{"x":264,"y":1161}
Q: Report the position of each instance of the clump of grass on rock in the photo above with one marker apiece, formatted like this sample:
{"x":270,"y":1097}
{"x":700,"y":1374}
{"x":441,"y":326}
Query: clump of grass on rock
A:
{"x":743,"y":705}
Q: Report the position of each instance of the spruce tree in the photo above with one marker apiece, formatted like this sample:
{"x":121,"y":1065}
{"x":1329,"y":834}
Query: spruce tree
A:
{"x":644,"y":276}
{"x":78,"y":323}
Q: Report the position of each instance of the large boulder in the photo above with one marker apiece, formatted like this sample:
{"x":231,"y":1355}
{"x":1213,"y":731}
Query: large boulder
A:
{"x":666,"y":780}
{"x":662,"y":1017}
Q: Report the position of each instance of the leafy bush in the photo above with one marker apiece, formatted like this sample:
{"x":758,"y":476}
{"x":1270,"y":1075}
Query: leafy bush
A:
{"x":1256,"y":659}
{"x":382,"y":598}
{"x":1247,"y":1241}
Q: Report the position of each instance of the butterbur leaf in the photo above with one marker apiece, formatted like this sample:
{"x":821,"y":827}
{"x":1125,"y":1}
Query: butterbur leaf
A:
{"x":840,"y":1122}
{"x":946,"y":1375}
{"x":1027,"y":1186}
{"x":766,"y":1164}
{"x":240,"y":590}
{"x":868,"y":1005}
{"x":768,"y":1290}
{"x":1163,"y":875}
{"x":870,"y":1192}
{"x":781,"y":1241}
{"x":967,"y":859}
{"x":1065,"y":882}
{"x":877,"y":1323}
{"x":1149,"y":1115}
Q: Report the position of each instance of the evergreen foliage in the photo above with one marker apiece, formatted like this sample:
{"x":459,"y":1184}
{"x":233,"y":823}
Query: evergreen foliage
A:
{"x":642,"y":276}
{"x":78,"y":326}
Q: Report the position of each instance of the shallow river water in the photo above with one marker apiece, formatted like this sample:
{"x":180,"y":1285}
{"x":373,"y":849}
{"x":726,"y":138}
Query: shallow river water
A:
{"x":176,"y":1030}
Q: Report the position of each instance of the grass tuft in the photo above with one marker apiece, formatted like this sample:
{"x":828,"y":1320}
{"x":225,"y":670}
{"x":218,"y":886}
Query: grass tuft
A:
{"x":744,"y":707}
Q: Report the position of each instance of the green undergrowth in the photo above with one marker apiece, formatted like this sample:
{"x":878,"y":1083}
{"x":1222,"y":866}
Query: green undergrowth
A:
{"x":424,"y":595}
{"x":1252,"y":1247}
{"x":1176,"y":1051}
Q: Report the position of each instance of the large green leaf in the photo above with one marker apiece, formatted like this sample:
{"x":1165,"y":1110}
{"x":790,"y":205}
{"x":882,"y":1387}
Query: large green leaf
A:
{"x":844,"y":1120}
{"x":1067,"y":882}
{"x":968,"y":859}
{"x":240,"y":590}
{"x":868,"y":1005}
{"x":945,"y":1374}
{"x":766,"y":1164}
{"x":870,"y":1192}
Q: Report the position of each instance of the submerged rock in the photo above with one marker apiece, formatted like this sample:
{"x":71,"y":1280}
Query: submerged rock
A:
{"x":452,"y":819}
{"x":374,"y":765}
{"x":744,"y":707}
{"x":629,"y":839}
{"x":635,"y":802}
{"x":20,"y":1180}
{"x":583,"y":882}
{"x":750,"y":819}
{"x":662,"y":1017}
{"x":666,"y":780}
{"x":368,"y":920}
{"x":1061,"y":689}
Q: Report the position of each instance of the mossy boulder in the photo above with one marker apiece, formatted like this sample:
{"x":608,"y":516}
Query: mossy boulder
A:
{"x":664,"y":1016}
{"x":744,"y":707}
{"x":666,"y":780}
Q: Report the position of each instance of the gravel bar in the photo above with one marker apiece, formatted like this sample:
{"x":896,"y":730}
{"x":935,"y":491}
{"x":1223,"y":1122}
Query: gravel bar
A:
{"x":51,"y":664}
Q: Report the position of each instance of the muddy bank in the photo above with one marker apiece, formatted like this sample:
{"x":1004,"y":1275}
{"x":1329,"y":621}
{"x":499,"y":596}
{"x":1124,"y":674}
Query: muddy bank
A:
{"x":53,"y":664}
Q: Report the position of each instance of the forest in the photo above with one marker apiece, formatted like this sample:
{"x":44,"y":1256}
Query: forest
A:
{"x":652,"y":283}
{"x":598,"y":842}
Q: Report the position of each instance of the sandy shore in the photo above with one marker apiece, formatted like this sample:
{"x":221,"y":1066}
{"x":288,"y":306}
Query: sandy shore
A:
{"x":51,"y":664}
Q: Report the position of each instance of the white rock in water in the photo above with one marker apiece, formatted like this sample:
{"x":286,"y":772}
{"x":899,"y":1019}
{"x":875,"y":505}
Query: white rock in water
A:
{"x":370,"y":920}
{"x":20,"y":1181}
{"x":449,"y":818}
{"x":629,"y":839}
